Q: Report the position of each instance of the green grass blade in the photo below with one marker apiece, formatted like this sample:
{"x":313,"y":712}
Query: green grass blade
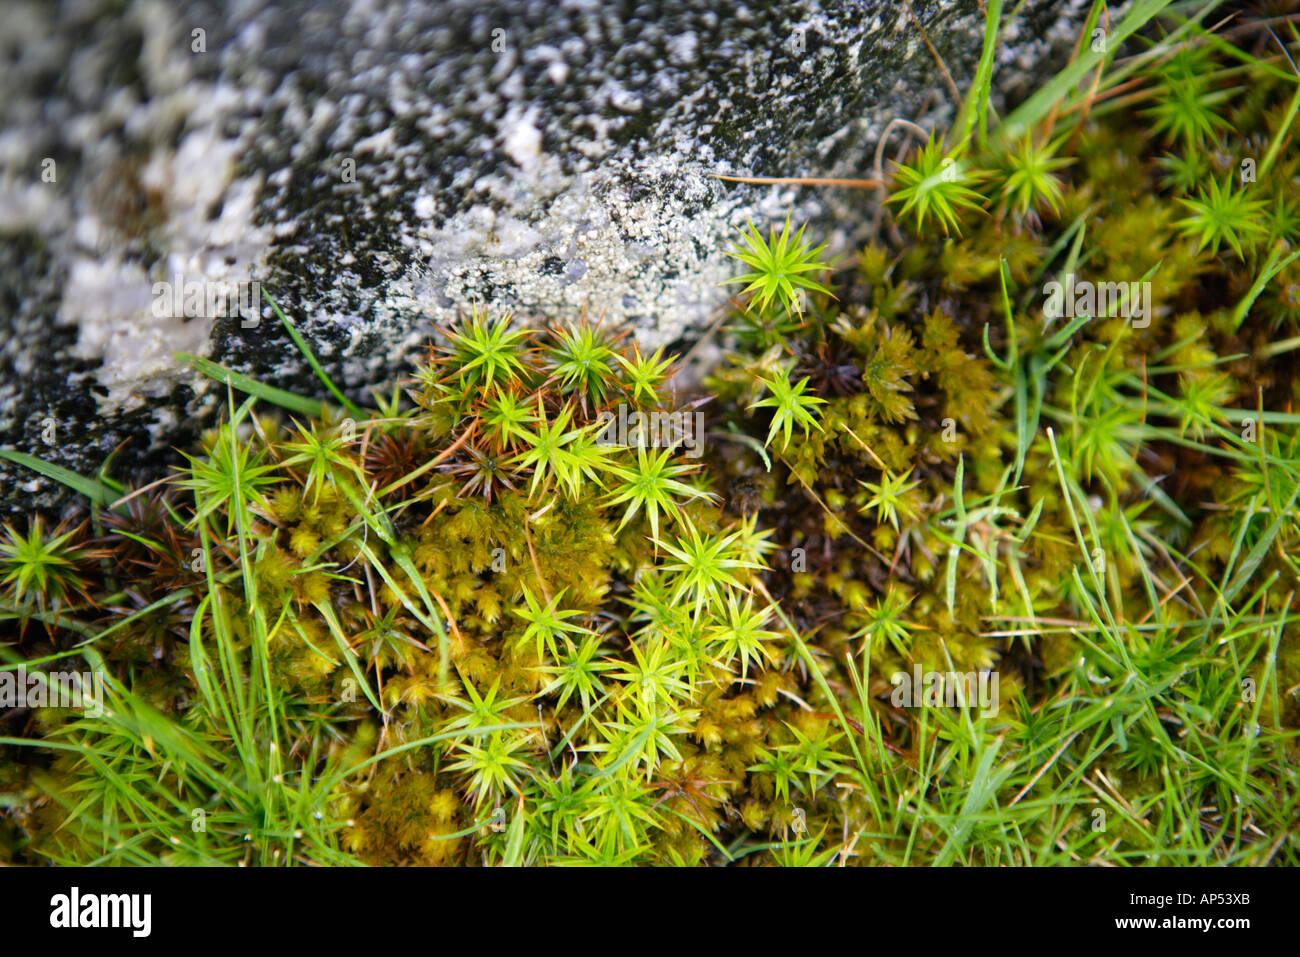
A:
{"x":1061,"y":86}
{"x":99,"y":493}
{"x":352,"y":408}
{"x":250,"y":386}
{"x":975,"y":110}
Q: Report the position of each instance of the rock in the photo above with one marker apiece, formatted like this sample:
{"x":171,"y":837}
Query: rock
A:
{"x":381,"y":168}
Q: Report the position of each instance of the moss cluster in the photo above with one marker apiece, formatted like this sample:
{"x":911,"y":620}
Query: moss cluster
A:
{"x":484,"y":621}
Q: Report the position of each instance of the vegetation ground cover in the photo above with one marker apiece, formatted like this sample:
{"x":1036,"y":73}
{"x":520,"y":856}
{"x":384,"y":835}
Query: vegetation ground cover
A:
{"x":1039,"y":429}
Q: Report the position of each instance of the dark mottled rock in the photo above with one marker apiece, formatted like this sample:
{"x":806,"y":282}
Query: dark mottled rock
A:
{"x":381,"y":167}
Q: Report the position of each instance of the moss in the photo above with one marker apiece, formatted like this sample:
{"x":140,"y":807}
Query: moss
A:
{"x":463,"y":627}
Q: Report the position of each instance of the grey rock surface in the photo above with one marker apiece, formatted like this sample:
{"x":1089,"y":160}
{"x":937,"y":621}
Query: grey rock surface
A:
{"x":382,"y":167}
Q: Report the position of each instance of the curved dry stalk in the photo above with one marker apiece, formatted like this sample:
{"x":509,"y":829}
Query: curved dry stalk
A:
{"x":801,"y":181}
{"x":943,"y":67}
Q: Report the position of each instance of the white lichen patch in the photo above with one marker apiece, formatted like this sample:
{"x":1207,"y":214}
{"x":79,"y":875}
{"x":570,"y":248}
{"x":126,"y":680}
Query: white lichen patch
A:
{"x":109,"y":303}
{"x":594,"y":238}
{"x":112,"y":304}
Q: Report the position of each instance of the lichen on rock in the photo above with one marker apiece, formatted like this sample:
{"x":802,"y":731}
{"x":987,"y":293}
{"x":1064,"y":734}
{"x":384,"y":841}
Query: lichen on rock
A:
{"x":381,"y":170}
